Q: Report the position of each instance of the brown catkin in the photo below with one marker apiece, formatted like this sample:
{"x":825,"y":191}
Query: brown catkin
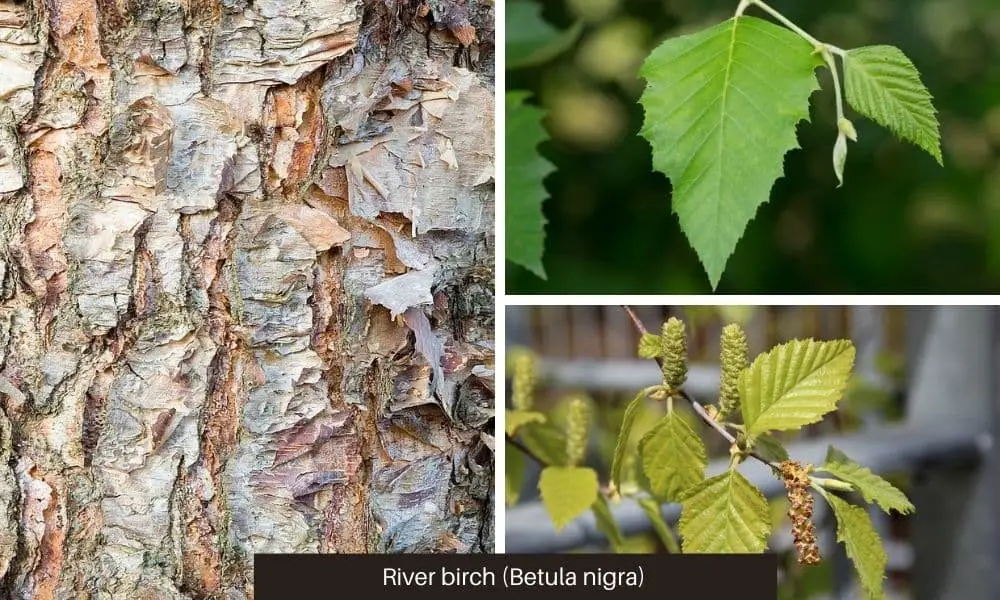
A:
{"x":796,"y":481}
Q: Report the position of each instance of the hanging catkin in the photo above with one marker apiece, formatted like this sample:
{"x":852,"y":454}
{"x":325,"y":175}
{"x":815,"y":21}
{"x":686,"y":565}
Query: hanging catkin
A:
{"x":800,"y":511}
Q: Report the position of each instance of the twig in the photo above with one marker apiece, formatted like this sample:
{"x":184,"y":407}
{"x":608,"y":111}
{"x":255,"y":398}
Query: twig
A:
{"x":699,"y":409}
{"x":525,"y":450}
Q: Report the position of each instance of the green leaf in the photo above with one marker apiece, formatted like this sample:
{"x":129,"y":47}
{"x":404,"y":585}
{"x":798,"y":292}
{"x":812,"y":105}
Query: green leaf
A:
{"x":545,"y":441}
{"x":725,"y":515}
{"x":519,"y":418}
{"x":871,"y":486}
{"x":525,"y":193}
{"x":650,"y":346}
{"x":770,"y":448}
{"x":673,"y":457}
{"x":567,"y":492}
{"x":864,"y":547}
{"x":628,"y":420}
{"x":530,"y":39}
{"x":794,"y":384}
{"x":882,"y":84}
{"x":607,"y":525}
{"x":513,"y":473}
{"x":652,"y":509}
{"x":721,"y":110}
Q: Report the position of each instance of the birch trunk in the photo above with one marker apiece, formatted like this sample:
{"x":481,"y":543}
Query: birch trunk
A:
{"x":246,"y":288}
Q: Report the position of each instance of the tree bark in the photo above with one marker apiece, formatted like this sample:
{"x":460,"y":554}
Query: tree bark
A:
{"x":246,"y":288}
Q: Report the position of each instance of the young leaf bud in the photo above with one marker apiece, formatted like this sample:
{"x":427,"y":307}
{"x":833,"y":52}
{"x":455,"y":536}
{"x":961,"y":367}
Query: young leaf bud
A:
{"x":840,"y":158}
{"x":733,"y":360}
{"x":847,"y":128}
{"x":674,"y":353}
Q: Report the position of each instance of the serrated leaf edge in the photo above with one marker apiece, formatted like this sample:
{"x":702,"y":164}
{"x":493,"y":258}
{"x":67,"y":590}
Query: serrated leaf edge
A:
{"x":715,"y":278}
{"x":836,"y":458}
{"x":837,"y":504}
{"x":851,"y":57}
{"x":624,"y":433}
{"x":734,"y":476}
{"x":759,"y":360}
{"x":690,"y":443}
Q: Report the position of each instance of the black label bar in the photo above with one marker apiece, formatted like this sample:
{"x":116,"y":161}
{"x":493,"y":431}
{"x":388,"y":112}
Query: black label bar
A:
{"x":527,"y":576}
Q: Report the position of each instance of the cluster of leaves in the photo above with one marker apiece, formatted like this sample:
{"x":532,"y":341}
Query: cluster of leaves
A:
{"x":558,"y":439}
{"x":793,"y":385}
{"x":722,"y":106}
{"x":721,"y":110}
{"x":530,"y":40}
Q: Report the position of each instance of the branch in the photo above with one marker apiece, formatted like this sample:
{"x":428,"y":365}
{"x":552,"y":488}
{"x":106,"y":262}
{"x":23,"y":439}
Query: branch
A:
{"x":513,"y":441}
{"x":699,"y":408}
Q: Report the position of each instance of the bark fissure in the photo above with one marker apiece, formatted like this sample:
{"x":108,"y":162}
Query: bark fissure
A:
{"x":245,"y":288}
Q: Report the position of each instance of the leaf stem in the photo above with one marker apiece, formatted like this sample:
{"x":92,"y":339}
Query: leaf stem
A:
{"x":699,"y":408}
{"x":787,"y":23}
{"x":665,"y":533}
{"x":838,"y":51}
{"x":822,"y":491}
{"x":825,"y":50}
{"x":832,"y":64}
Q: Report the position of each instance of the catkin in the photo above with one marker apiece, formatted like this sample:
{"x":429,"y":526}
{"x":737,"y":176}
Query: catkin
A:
{"x":523,"y":379}
{"x":733,"y":360}
{"x":577,"y":430}
{"x":796,"y":481}
{"x":674,"y":353}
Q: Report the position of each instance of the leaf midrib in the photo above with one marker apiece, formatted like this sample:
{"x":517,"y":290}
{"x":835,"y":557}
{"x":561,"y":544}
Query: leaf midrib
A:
{"x":722,"y":126}
{"x":727,"y":519}
{"x":764,"y":409}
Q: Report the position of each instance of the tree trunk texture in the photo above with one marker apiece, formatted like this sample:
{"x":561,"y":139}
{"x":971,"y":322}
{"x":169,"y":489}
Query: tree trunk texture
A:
{"x":246,"y":288}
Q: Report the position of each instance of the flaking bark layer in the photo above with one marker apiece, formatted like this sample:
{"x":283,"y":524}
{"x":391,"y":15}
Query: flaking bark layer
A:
{"x":246,"y":288}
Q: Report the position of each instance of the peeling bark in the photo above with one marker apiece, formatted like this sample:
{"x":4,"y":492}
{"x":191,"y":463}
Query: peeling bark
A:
{"x":246,"y":288}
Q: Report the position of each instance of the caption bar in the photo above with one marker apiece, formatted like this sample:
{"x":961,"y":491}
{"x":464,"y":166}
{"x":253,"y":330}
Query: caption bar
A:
{"x":636,"y":577}
{"x":513,"y":577}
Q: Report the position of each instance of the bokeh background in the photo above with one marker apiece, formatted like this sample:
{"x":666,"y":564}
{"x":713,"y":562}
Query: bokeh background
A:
{"x":900,"y":223}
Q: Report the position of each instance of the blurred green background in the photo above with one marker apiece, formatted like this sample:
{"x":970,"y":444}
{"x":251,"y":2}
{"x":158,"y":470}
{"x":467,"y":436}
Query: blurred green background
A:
{"x":900,"y":223}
